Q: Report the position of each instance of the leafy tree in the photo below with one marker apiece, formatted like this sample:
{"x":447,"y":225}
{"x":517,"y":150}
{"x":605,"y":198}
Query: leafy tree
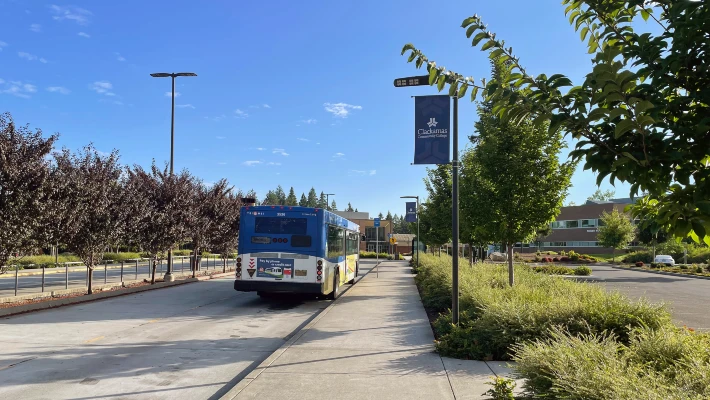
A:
{"x":651,"y":233}
{"x":333,"y":206}
{"x":224,"y":235}
{"x":350,"y":208}
{"x":322,"y":201}
{"x":23,"y":174}
{"x":519,"y":183}
{"x":312,"y":198}
{"x":206,"y":216}
{"x":271,"y":199}
{"x":616,"y":232}
{"x":640,"y":114}
{"x":160,"y":207}
{"x":291,"y":200}
{"x":602,"y":196}
{"x":94,"y":195}
{"x":303,"y":202}
{"x":280,"y":196}
{"x":438,"y":209}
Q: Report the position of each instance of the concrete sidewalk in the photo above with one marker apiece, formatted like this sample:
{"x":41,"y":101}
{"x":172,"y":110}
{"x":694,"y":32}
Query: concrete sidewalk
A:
{"x":375,"y":342}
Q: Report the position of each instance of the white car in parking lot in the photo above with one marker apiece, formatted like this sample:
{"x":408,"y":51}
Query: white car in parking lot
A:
{"x":668,"y":260}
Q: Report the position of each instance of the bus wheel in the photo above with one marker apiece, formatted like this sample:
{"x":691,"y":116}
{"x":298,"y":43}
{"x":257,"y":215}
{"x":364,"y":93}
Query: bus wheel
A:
{"x":336,"y":288}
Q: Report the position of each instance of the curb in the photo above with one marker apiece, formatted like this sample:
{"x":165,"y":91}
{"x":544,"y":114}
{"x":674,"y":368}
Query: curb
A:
{"x":5,"y":312}
{"x":662,"y":273}
{"x":251,"y":376}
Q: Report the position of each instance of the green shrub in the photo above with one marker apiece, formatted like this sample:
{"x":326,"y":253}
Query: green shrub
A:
{"x":574,"y":257}
{"x":556,"y":259}
{"x":502,"y":388}
{"x":553,"y":270}
{"x":118,"y":257}
{"x":656,"y":265}
{"x":583,"y":271}
{"x":638,"y":256}
{"x":699,"y":270}
{"x":683,"y":266}
{"x":40,"y":261}
{"x":372,"y":254}
{"x":182,"y":253}
{"x":495,"y":316}
{"x":562,"y":253}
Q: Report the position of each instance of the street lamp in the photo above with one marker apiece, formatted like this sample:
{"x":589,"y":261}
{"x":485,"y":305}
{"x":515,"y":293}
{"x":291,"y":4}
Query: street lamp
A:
{"x":169,"y":274}
{"x":327,"y":204}
{"x":418,"y":239}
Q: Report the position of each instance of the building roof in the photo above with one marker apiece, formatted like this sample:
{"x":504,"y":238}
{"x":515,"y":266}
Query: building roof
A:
{"x":404,"y":237}
{"x":351,"y":215}
{"x":625,"y":200}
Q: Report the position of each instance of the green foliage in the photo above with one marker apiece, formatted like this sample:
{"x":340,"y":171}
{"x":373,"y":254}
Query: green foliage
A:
{"x":583,"y":271}
{"x":638,"y":256}
{"x":495,"y":316}
{"x":118,"y":257}
{"x":372,"y":254}
{"x":640,"y":114}
{"x":662,"y":363}
{"x":553,"y":270}
{"x":502,"y":388}
{"x":599,"y":195}
{"x":435,"y":212}
{"x":617,"y":231}
{"x":291,"y":200}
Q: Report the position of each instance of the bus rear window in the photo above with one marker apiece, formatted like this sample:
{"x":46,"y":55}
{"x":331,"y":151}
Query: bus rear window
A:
{"x":280,"y":225}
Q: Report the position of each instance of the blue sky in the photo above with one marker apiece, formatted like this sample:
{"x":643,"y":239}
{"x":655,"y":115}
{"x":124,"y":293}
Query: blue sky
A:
{"x":292,"y":93}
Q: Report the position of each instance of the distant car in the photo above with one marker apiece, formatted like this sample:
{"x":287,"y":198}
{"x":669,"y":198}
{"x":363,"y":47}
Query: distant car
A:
{"x":668,"y":260}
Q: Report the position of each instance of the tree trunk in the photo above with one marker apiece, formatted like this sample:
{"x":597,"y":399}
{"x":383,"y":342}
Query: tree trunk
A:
{"x":91,"y":279}
{"x":224,"y":265}
{"x":470,"y":254}
{"x":152,"y":275}
{"x":613,"y":255}
{"x":511,"y":279}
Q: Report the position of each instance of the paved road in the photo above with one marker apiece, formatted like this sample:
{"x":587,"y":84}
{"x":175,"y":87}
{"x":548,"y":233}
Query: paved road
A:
{"x":688,"y":297}
{"x":193,"y":341}
{"x":56,"y":281}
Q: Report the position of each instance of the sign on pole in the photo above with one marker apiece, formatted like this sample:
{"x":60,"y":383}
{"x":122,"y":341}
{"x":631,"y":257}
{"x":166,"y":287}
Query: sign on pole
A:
{"x":411,"y":214}
{"x":393,"y":241}
{"x":432,"y":126}
{"x":421,"y":80}
{"x":377,"y":222}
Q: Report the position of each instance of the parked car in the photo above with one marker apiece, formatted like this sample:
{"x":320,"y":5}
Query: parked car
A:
{"x":668,"y":260}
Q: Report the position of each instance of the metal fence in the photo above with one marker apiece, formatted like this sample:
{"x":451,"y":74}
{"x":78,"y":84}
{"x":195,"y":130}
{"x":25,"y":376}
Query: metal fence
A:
{"x":70,"y":275}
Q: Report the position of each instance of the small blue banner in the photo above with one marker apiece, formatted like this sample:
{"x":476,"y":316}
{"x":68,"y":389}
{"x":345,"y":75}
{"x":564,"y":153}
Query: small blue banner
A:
{"x":274,"y":268}
{"x":377,"y":222}
{"x":411,"y":215}
{"x":432,"y":127}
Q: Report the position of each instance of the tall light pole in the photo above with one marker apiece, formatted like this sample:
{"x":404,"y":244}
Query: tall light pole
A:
{"x":327,"y":204}
{"x":169,"y":274}
{"x":418,"y":239}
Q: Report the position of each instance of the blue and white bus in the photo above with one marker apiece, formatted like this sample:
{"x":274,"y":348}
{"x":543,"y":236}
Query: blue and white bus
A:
{"x":295,"y":249}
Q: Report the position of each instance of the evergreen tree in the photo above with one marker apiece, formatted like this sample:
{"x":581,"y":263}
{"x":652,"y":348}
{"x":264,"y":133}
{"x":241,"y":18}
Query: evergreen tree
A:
{"x":291,"y":200}
{"x":380,"y":216}
{"x":389,"y":216}
{"x":333,"y":207}
{"x":303,"y":202}
{"x":350,"y":207}
{"x":312,"y":198}
{"x":322,"y":201}
{"x":281,"y":196}
{"x":356,"y":210}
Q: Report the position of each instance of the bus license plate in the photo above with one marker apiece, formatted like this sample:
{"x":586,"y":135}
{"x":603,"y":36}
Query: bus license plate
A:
{"x":301,"y":272}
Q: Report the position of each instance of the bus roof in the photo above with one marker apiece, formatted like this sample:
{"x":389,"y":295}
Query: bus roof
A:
{"x":328,"y":216}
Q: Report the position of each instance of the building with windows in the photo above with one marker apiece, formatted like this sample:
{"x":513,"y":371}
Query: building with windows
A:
{"x":367,"y":228}
{"x":576,"y":228}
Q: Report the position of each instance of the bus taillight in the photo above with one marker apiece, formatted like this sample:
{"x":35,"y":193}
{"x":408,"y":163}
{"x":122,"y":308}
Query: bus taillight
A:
{"x":319,"y":270}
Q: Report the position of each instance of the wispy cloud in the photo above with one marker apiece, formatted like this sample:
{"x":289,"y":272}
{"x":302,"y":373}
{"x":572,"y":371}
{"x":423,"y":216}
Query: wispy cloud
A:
{"x":260,"y":106}
{"x":280,"y":151}
{"x":358,"y":172}
{"x":31,"y":57}
{"x":84,"y":34}
{"x":260,"y":148}
{"x":338,"y":155}
{"x":36,"y":28}
{"x":318,"y":143}
{"x":217,"y":118}
{"x":79,"y":15}
{"x":58,"y":89}
{"x":309,"y":121}
{"x":119,"y":57}
{"x":251,"y":163}
{"x":240,"y":114}
{"x":373,"y":172}
{"x":222,"y":163}
{"x":303,"y":139}
{"x":177,"y":94}
{"x":221,"y":137}
{"x":274,"y":163}
{"x":17,"y":88}
{"x":184,"y":106}
{"x":266,"y":106}
{"x":2,"y":44}
{"x":102,"y":87}
{"x":341,"y":110}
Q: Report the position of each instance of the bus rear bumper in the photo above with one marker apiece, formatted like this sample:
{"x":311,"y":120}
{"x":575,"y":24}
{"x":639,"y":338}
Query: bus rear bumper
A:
{"x":277,"y":287}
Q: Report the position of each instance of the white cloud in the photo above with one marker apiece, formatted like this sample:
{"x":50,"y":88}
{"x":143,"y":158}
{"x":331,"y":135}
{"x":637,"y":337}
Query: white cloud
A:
{"x":84,"y":34}
{"x":280,"y":151}
{"x":240,"y":114}
{"x":373,"y":172}
{"x":274,"y":163}
{"x":340,"y":110}
{"x":79,"y":15}
{"x":260,"y":106}
{"x":303,"y":139}
{"x":221,"y":137}
{"x":58,"y":89}
{"x":31,"y":57}
{"x":177,"y":94}
{"x":309,"y":121}
{"x":338,"y":154}
{"x":266,"y":106}
{"x":36,"y":28}
{"x":120,"y":58}
{"x":2,"y":44}
{"x":17,"y":88}
{"x":185,"y":106}
{"x":260,"y":148}
{"x":358,"y":172}
{"x":102,"y":87}
{"x":251,"y":163}
{"x":222,"y":163}
{"x":318,"y":143}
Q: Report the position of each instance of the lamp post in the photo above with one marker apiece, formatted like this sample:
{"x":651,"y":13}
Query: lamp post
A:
{"x":418,"y":239}
{"x":169,"y":273}
{"x":327,"y":203}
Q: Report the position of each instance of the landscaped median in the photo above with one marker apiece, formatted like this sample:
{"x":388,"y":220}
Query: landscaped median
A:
{"x":569,"y":339}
